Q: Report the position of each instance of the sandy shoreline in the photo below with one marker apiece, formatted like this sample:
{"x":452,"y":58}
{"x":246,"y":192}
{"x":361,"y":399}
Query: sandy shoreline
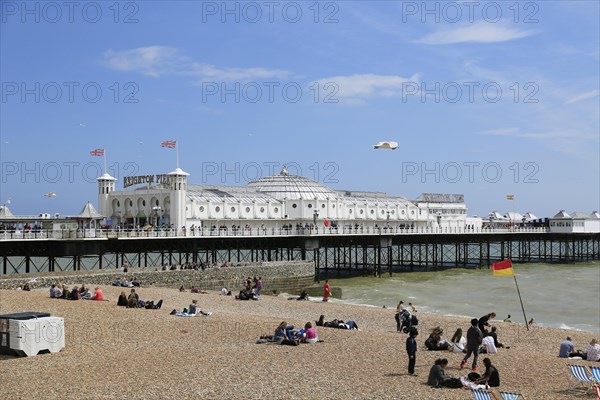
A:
{"x":113,"y":352}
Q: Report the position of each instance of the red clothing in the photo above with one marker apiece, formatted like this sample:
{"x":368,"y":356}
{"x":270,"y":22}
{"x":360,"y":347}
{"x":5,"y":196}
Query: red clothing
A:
{"x":98,"y":295}
{"x":326,"y":291}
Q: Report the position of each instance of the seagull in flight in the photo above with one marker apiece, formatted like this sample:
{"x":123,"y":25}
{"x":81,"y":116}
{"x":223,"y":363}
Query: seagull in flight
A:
{"x":82,"y":125}
{"x":50,"y":194}
{"x":386,"y":145}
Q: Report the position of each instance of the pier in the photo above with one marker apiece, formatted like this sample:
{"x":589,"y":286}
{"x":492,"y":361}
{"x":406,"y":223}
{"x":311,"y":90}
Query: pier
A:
{"x":334,"y":252}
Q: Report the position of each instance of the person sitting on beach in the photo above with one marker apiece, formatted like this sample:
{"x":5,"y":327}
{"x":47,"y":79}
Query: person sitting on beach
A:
{"x":26,"y":287}
{"x":490,"y":377}
{"x":122,"y":301}
{"x":567,"y":349}
{"x":133,"y":299}
{"x":182,"y":289}
{"x":458,"y":341}
{"x":484,"y":321}
{"x":507,"y":319}
{"x":74,"y":294}
{"x":310,"y":333}
{"x":82,"y":289}
{"x":488,"y":346}
{"x":117,"y":282}
{"x":593,"y":351}
{"x":435,"y":342}
{"x":194,"y":289}
{"x":438,"y":378}
{"x":193,"y":309}
{"x":86,"y":294}
{"x":53,"y":291}
{"x":283,"y":335}
{"x":65,"y":292}
{"x":493,"y":334}
{"x":98,"y":295}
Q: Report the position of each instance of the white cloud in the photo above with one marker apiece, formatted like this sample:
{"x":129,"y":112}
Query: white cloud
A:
{"x":478,"y":32}
{"x":354,"y":89}
{"x":162,"y":60}
{"x":151,"y":60}
{"x":583,"y":96}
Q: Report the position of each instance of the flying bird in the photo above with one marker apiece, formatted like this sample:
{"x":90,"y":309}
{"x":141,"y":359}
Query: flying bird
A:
{"x":386,"y":145}
{"x":82,"y":125}
{"x":50,"y":194}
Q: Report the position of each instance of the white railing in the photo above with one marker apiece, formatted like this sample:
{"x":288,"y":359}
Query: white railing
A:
{"x":251,"y":232}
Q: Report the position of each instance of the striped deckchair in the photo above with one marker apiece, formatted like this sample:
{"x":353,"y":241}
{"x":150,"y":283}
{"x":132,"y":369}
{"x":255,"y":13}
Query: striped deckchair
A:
{"x":481,"y":394}
{"x":595,"y":374}
{"x":511,"y":395}
{"x":580,"y":376}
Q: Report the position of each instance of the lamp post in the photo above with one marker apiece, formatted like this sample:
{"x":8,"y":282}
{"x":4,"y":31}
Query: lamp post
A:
{"x":439,"y":220}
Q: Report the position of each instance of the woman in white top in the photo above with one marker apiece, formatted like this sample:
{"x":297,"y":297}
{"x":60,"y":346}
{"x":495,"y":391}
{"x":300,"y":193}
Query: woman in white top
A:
{"x":458,"y":342}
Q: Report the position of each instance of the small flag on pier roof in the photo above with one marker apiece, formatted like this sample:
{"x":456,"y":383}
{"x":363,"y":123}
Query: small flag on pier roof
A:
{"x":503,"y":268}
{"x":169,"y":143}
{"x":510,"y":197}
{"x":97,"y":152}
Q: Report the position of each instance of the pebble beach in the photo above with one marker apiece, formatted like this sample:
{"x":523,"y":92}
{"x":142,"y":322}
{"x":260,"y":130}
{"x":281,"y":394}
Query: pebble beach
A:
{"x":117,"y":353}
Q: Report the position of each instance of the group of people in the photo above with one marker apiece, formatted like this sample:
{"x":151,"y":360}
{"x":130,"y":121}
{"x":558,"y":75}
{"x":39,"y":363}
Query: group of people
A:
{"x":567,"y":350}
{"x":479,"y":339}
{"x":61,"y":291}
{"x":134,"y":301}
{"x":405,"y":318}
{"x":288,"y":335}
{"x":191,"y":311}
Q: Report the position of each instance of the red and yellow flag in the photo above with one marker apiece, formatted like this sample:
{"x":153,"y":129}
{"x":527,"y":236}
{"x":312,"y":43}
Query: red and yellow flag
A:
{"x":503,"y":268}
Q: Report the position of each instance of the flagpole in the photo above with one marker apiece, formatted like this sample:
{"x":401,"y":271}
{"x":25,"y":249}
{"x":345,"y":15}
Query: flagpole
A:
{"x":104,"y":154}
{"x":177,"y":153}
{"x":521,"y":300}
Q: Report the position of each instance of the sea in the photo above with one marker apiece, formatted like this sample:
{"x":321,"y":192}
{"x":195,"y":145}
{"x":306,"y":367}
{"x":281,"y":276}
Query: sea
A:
{"x":556,"y":295}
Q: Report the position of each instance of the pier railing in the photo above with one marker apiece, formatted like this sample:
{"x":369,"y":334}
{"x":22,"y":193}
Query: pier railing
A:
{"x":66,"y":234}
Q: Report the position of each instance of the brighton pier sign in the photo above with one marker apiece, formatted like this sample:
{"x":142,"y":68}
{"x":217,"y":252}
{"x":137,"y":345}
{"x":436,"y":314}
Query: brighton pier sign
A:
{"x":148,"y":179}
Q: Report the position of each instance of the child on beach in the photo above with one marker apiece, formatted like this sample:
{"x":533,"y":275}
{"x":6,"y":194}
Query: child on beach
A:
{"x":411,"y":350}
{"x":326,"y":291}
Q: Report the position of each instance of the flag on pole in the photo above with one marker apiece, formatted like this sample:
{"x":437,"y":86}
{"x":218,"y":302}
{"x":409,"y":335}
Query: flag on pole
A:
{"x":510,"y":197}
{"x":97,"y":152}
{"x":503,"y":268}
{"x":169,"y":143}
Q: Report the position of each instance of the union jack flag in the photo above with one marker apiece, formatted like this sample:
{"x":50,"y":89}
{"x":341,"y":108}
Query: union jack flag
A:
{"x":169,"y":143}
{"x":97,"y":152}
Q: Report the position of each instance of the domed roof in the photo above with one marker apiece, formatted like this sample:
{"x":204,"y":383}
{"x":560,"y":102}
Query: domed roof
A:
{"x":292,"y":187}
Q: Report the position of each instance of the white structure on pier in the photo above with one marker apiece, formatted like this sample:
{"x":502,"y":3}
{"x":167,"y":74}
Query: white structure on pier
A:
{"x":272,"y":201}
{"x":575,"y":222}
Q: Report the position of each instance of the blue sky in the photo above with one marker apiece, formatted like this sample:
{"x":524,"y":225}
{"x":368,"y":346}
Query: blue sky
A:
{"x":246,"y":86}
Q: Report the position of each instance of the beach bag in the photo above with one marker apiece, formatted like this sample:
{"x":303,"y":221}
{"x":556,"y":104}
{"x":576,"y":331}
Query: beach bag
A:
{"x":473,"y":376}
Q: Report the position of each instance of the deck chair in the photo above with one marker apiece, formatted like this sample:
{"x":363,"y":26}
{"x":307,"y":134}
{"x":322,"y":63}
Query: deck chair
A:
{"x":511,"y":395}
{"x":595,"y":374}
{"x":597,"y":390}
{"x":580,"y":376}
{"x":481,"y":394}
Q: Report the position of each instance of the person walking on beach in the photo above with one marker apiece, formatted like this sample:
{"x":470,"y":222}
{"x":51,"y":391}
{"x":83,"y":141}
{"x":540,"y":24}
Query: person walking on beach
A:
{"x":411,"y":350}
{"x":326,"y":291}
{"x":259,"y":285}
{"x":474,"y":338}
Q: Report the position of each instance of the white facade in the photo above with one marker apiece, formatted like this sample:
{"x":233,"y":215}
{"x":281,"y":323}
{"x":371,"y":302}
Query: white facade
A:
{"x":272,"y":201}
{"x":575,"y":222}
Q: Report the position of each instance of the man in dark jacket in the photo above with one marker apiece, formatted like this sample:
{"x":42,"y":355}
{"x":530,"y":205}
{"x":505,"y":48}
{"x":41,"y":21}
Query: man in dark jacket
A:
{"x":474,"y":338}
